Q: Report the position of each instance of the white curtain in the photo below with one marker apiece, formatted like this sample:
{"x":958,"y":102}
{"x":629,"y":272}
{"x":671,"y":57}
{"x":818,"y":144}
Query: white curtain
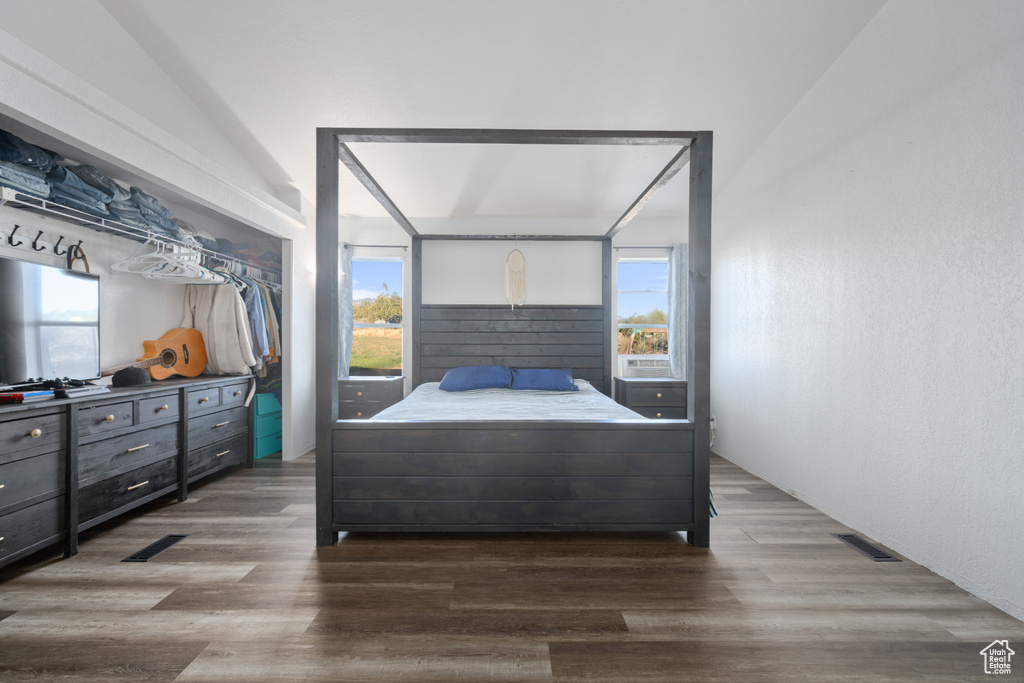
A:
{"x":345,"y":323}
{"x":678,"y":277}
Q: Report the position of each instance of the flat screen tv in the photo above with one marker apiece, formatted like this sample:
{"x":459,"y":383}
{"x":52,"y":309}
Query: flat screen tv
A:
{"x":49,"y":323}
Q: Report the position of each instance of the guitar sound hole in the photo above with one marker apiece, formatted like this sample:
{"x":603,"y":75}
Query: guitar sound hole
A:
{"x":168,"y":358}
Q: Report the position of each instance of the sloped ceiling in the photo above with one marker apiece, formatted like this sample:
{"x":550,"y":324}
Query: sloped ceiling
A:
{"x":269,"y":72}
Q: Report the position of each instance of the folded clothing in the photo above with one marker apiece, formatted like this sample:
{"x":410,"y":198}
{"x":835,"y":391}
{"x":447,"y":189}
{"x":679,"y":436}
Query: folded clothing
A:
{"x":13,"y":148}
{"x":90,"y":206}
{"x":150,"y":204}
{"x":23,"y":179}
{"x":64,"y":179}
{"x":95,"y":178}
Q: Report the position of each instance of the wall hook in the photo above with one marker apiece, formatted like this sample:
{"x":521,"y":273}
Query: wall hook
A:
{"x":60,"y":238}
{"x":10,"y":238}
{"x":34,"y":247}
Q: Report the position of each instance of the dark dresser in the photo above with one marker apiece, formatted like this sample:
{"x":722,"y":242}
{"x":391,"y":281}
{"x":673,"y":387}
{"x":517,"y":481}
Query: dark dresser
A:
{"x":69,"y":464}
{"x":653,"y":397}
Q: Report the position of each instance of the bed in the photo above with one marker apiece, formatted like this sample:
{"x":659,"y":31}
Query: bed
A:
{"x":509,"y":460}
{"x":557,"y":470}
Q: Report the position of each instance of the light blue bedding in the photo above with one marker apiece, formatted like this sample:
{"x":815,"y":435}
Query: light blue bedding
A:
{"x":427,"y":402}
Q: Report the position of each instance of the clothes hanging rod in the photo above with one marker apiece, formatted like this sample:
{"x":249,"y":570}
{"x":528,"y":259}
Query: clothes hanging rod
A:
{"x":37,"y":205}
{"x":376,"y":246}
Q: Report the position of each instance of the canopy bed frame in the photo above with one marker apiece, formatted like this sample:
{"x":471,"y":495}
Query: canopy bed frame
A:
{"x":508,"y":475}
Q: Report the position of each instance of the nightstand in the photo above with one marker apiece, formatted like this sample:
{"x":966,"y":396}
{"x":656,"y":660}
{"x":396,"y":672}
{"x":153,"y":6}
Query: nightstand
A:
{"x":653,"y":397}
{"x":363,"y":397}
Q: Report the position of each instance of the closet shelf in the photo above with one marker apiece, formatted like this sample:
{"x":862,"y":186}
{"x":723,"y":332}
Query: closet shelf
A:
{"x":13,"y":198}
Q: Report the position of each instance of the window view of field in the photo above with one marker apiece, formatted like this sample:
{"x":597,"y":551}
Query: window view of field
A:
{"x":377,"y":314}
{"x":643,"y":286}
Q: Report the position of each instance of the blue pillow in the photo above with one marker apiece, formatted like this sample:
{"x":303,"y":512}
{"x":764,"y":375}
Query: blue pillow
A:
{"x":476,"y":377}
{"x":550,"y":380}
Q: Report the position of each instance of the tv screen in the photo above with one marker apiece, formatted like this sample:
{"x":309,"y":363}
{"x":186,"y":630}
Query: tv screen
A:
{"x":49,"y":322}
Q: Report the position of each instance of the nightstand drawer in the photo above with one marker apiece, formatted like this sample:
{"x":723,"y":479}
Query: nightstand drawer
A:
{"x":661,"y":413}
{"x":668,"y":396}
{"x":355,"y":410}
{"x":365,"y":391}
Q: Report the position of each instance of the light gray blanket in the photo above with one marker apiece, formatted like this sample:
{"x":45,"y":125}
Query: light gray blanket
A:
{"x":429,"y":403}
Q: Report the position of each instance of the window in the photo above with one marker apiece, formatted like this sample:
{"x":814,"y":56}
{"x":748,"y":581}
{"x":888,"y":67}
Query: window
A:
{"x":377,"y":317}
{"x":643,"y":317}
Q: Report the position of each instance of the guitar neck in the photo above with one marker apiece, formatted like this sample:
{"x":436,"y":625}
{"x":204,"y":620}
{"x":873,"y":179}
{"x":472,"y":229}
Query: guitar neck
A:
{"x":147,"y":363}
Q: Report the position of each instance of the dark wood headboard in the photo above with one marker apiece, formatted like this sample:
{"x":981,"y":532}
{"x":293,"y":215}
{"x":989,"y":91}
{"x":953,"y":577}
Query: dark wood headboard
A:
{"x":563,"y":337}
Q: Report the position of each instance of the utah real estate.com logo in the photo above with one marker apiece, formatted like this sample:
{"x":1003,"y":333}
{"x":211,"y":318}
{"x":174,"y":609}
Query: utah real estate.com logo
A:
{"x":997,"y":657}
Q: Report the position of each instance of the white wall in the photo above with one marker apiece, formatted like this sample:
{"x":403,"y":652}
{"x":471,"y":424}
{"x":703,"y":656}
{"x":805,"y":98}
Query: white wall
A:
{"x":473,"y":272}
{"x":868,"y":315}
{"x":132,"y":308}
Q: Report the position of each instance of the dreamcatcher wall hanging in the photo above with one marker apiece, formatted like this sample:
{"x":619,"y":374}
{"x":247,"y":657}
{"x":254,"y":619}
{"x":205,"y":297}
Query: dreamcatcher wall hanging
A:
{"x":515,"y":277}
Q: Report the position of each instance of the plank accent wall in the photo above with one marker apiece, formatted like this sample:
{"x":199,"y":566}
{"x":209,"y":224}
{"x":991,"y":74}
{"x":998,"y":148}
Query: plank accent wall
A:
{"x":563,"y":337}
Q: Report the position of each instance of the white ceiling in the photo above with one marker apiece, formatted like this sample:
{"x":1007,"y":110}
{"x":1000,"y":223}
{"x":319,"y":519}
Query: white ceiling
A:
{"x":268,"y":73}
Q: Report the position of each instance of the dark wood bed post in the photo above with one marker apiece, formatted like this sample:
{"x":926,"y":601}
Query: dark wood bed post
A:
{"x":327,"y":159}
{"x":416,"y":291}
{"x":698,"y":361}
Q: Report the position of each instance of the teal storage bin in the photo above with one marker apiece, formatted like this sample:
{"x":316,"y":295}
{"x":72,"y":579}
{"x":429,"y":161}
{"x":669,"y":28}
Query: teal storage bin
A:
{"x":267,"y":430}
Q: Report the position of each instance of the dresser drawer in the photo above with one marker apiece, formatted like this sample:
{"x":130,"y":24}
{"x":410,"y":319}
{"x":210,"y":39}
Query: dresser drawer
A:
{"x":266,"y":445}
{"x":37,"y":523}
{"x":217,"y":456}
{"x":158,"y":408}
{"x":233,"y":395}
{"x":105,"y":418}
{"x":30,"y":432}
{"x":267,"y":404}
{"x":356,"y":410}
{"x":203,"y":400}
{"x":661,"y":413}
{"x":668,"y":396}
{"x":211,"y":428}
{"x":28,"y":478}
{"x":116,"y":492}
{"x":103,"y":459}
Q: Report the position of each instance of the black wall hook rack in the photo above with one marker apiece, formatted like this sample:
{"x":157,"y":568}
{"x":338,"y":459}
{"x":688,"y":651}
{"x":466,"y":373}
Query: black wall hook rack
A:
{"x":10,"y":238}
{"x":34,"y":247}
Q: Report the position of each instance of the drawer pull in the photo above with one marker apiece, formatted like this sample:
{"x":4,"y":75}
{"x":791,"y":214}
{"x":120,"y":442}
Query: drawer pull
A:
{"x":658,"y":415}
{"x":217,"y":455}
{"x":36,"y":433}
{"x":109,"y":418}
{"x":359,"y":414}
{"x":237,"y":393}
{"x":2,"y":485}
{"x":164,"y":407}
{"x":1,"y":539}
{"x":221,"y":424}
{"x":131,"y":488}
{"x":359,"y":393}
{"x":659,"y":395}
{"x":138,"y":448}
{"x":204,"y":399}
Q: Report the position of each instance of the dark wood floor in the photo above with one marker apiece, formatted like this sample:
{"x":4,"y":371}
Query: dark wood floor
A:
{"x":247,"y":597}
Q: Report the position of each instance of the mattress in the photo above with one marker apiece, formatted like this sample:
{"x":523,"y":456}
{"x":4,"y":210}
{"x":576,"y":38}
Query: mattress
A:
{"x":429,"y":403}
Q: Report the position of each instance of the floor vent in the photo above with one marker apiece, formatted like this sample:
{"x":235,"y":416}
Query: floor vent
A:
{"x":865,"y":548}
{"x":154,"y":549}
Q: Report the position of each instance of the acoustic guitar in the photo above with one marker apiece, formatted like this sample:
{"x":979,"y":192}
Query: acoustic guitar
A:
{"x":180,"y":351}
